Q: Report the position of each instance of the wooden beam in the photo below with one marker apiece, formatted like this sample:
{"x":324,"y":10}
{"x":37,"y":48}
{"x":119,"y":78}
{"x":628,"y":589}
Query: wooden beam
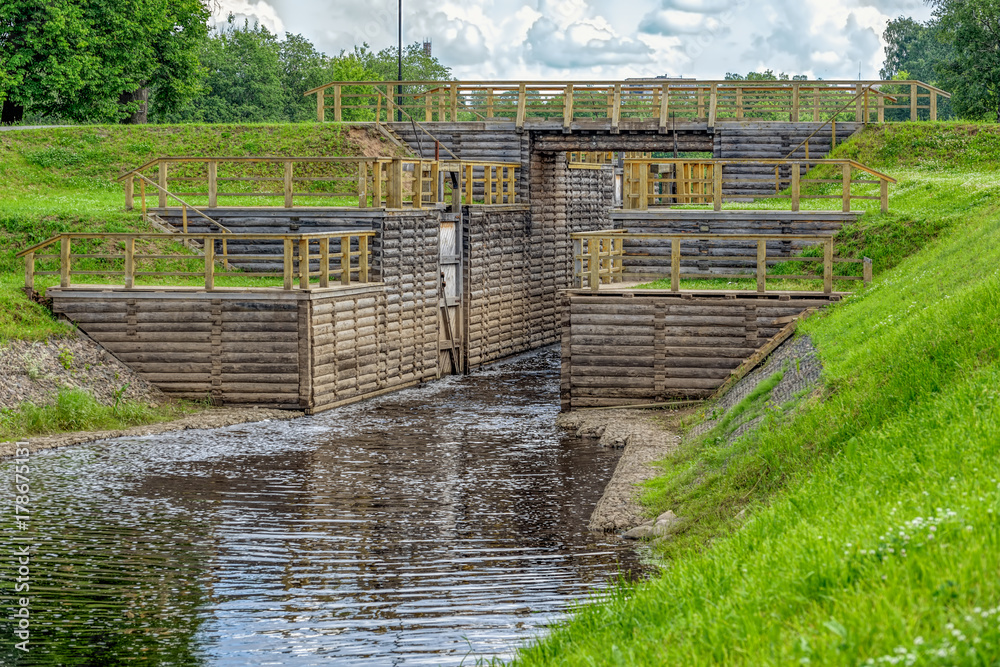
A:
{"x":913,"y":102}
{"x":338,"y":111}
{"x":345,"y":260}
{"x":675,"y":264}
{"x":64,"y":261}
{"x":761,"y":265}
{"x":664,"y":104}
{"x":521,"y":107}
{"x":324,"y":262}
{"x":161,"y":177}
{"x":616,"y":109}
{"x":568,"y":108}
{"x":213,"y":183}
{"x":287,"y":183}
{"x":209,"y":264}
{"x":320,"y":106}
{"x":828,"y":266}
{"x":303,"y":263}
{"x":287,"y":266}
{"x":363,"y":268}
{"x":130,"y":262}
{"x":796,"y":186}
{"x":846,"y":195}
{"x":29,"y":272}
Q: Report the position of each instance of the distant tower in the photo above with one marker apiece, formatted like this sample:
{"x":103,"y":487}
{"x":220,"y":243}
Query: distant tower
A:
{"x":427,"y":46}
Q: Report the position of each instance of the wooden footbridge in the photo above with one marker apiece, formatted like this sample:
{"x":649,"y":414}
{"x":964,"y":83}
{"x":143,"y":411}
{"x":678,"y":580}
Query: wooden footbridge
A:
{"x":310,"y":282}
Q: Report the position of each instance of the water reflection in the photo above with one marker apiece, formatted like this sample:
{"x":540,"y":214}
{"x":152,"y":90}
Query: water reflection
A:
{"x":414,"y":529}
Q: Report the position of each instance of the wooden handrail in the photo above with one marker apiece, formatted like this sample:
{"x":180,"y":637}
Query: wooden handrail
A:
{"x":599,"y":258}
{"x":640,"y":98}
{"x":295,"y":263}
{"x":388,"y":182}
{"x":703,"y":182}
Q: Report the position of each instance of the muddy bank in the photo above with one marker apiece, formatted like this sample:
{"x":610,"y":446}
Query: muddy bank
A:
{"x":207,"y":419}
{"x":647,"y":436}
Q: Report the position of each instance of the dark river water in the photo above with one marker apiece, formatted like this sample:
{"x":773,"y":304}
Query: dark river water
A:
{"x":428,"y":527}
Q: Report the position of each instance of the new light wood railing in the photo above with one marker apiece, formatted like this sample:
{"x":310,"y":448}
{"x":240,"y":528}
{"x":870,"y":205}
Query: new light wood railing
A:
{"x":649,"y":183}
{"x":348,"y":261}
{"x":347,"y":182}
{"x":601,"y":258}
{"x":566,"y":102}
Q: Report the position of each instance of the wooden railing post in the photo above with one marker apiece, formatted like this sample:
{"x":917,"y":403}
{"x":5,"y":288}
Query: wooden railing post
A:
{"x":454,"y":102}
{"x":130,"y":262}
{"x":795,"y":103}
{"x":664,"y":108}
{"x":303,"y":263}
{"x":184,"y":218}
{"x":338,"y":105}
{"x":324,"y":262}
{"x":828,"y":266}
{"x":437,"y":190}
{"x":29,"y":271}
{"x":713,"y":104}
{"x":345,"y":260}
{"x":287,"y":260}
{"x":859,"y":103}
{"x":394,"y":196}
{"x":418,"y":184}
{"x":934,"y":103}
{"x":142,"y":195}
{"x":362,"y":184}
{"x":64,"y":261}
{"x":522,"y":101}
{"x":884,"y":195}
{"x":161,"y":176}
{"x":568,"y":108}
{"x":616,"y":109}
{"x":320,"y":106}
{"x":469,"y":185}
{"x":739,"y":102}
{"x":847,"y":187}
{"x":867,"y":271}
{"x":761,"y":265}
{"x":209,"y":263}
{"x":363,"y":269}
{"x":578,"y":263}
{"x":288,"y":184}
{"x":796,"y":186}
{"x":594,"y":263}
{"x":675,"y":264}
{"x":644,"y":186}
{"x":913,"y":102}
{"x":717,"y":186}
{"x":130,"y":193}
{"x":213,"y":183}
{"x":489,"y":103}
{"x":881,"y":108}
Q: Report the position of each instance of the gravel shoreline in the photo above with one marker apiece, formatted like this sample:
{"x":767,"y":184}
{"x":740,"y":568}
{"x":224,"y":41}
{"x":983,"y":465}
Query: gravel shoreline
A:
{"x":647,"y":437}
{"x":207,"y":419}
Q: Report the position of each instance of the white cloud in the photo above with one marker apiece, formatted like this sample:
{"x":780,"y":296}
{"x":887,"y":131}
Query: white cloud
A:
{"x":576,"y":39}
{"x":257,"y":11}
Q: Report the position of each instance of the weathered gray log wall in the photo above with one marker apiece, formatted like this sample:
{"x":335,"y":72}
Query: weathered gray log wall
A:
{"x":653,"y":255}
{"x":307,"y":350}
{"x":388,"y":338}
{"x":643,"y":347}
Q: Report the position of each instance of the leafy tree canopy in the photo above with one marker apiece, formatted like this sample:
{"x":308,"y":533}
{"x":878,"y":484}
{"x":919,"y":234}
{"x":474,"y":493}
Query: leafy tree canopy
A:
{"x":766,"y":75}
{"x":972,"y":71}
{"x":85,"y":60}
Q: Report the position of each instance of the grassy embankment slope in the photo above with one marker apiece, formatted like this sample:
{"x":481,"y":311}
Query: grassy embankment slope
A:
{"x":64,"y":180}
{"x":871,"y":533}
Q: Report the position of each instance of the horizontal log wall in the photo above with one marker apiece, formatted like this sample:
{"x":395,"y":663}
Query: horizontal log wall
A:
{"x":628,"y":350}
{"x":653,"y":255}
{"x":227,"y":348}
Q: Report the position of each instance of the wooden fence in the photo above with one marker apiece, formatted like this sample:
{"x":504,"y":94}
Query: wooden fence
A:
{"x":680,"y":182}
{"x":301,"y":253}
{"x":356,"y":182}
{"x":614,"y":101}
{"x":599,"y":258}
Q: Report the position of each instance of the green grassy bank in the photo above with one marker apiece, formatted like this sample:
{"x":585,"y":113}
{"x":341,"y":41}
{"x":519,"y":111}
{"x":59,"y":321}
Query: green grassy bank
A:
{"x":57,"y":180}
{"x":870,"y":535}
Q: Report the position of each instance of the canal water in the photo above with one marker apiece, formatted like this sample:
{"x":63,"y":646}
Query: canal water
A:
{"x":428,"y":527}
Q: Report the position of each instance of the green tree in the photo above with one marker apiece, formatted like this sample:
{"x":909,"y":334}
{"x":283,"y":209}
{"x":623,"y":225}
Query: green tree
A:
{"x":302,"y":68}
{"x":96,"y":60}
{"x":417,"y":65}
{"x":243,"y":81}
{"x":972,"y":72}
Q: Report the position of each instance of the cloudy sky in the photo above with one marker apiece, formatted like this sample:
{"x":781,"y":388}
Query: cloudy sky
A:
{"x":611,"y":39}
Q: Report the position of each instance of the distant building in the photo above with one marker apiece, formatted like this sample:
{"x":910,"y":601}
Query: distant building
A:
{"x":427,"y":47}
